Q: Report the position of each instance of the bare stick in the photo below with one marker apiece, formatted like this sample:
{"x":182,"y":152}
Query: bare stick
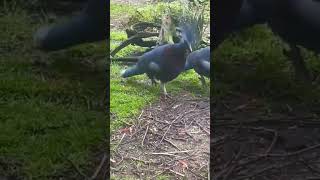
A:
{"x":202,"y":128}
{"x":94,"y":176}
{"x":77,"y":168}
{"x":176,"y":173}
{"x":172,"y":152}
{"x":275,"y":138}
{"x":124,"y":134}
{"x":179,"y":117}
{"x":294,"y":153}
{"x":125,"y":59}
{"x":172,"y":144}
{"x":145,"y":134}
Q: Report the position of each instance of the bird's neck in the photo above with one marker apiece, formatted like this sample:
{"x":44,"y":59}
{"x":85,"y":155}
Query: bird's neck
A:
{"x":182,"y":45}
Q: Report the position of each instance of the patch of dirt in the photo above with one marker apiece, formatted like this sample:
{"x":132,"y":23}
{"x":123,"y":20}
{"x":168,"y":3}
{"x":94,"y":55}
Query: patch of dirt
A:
{"x":255,"y":141}
{"x":170,"y":137}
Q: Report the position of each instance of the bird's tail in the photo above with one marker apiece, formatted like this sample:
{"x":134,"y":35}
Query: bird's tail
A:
{"x":89,"y":26}
{"x":205,"y":67}
{"x":187,"y":66}
{"x":132,"y":71}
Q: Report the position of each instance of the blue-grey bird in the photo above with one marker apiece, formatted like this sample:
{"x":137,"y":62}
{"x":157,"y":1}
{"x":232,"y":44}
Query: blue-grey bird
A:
{"x":89,"y":26}
{"x":199,"y":60}
{"x":166,"y":62}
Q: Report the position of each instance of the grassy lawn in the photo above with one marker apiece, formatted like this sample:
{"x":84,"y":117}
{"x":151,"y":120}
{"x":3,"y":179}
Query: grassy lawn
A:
{"x":130,"y":96}
{"x":51,"y":114}
{"x":252,"y":61}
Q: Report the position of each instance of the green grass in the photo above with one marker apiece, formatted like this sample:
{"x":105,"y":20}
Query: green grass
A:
{"x":252,"y":61}
{"x":150,"y":12}
{"x":118,"y":9}
{"x":48,"y":114}
{"x":128,"y":97}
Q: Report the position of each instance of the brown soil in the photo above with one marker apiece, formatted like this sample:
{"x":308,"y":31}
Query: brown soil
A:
{"x":256,"y":141}
{"x":170,"y":137}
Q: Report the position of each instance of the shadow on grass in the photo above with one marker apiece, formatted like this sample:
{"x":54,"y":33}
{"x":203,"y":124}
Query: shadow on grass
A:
{"x":52,"y":113}
{"x":252,"y":62}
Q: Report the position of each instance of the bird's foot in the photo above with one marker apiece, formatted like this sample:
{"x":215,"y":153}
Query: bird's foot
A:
{"x":316,"y":80}
{"x":153,"y":82}
{"x":302,"y":74}
{"x":40,"y":36}
{"x":203,"y":81}
{"x":166,"y":96}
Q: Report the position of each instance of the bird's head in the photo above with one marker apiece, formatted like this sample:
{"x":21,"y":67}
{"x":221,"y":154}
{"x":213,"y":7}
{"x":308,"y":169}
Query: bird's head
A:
{"x":191,"y":26}
{"x":186,"y":39}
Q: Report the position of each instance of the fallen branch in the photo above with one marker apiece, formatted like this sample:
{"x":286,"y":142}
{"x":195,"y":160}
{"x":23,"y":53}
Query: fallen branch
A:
{"x":77,"y":169}
{"x":94,"y":176}
{"x":171,"y":153}
{"x":131,"y":40}
{"x":265,"y":170}
{"x":125,"y":59}
{"x":176,"y":173}
{"x":298,"y":121}
{"x":141,"y":26}
{"x":293,"y":153}
{"x":145,"y":134}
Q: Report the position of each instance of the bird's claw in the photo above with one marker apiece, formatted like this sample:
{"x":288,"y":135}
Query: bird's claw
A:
{"x":203,"y":81}
{"x":153,"y":83}
{"x":166,"y":96}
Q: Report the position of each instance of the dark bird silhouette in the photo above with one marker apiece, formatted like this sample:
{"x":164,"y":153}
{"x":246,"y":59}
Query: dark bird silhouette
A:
{"x":166,"y":62}
{"x":89,"y":26}
{"x":225,"y":13}
{"x":294,"y":21}
{"x":199,"y":60}
{"x":253,"y":12}
{"x":297,"y":23}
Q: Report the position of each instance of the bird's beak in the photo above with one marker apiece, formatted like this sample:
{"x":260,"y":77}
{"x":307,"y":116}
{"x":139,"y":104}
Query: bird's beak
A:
{"x":190,"y":48}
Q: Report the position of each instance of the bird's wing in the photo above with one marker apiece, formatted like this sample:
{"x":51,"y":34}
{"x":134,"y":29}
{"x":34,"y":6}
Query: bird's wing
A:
{"x":204,"y":66}
{"x":154,"y":67}
{"x":188,"y":66}
{"x":308,"y":10}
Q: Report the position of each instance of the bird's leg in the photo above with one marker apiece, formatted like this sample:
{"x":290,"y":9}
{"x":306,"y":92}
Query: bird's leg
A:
{"x":203,"y":81}
{"x":153,"y":82}
{"x":301,"y":71}
{"x":163,"y":87}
